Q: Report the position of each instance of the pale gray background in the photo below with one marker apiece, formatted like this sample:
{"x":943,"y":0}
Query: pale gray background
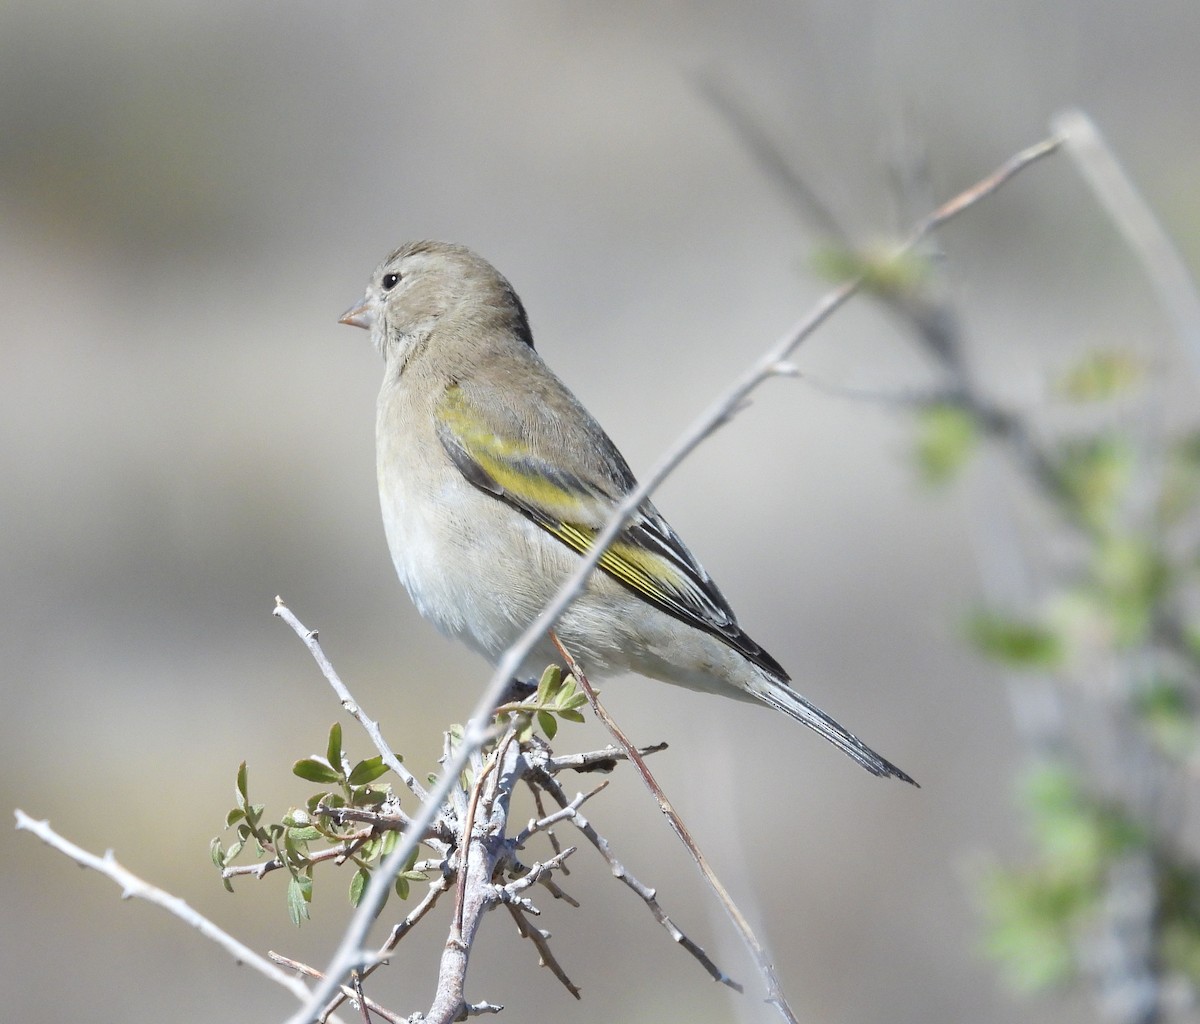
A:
{"x":191,"y":193}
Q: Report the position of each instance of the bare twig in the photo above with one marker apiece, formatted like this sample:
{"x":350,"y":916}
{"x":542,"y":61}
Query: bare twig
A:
{"x":475,"y":1009}
{"x":311,"y":640}
{"x":465,"y":845}
{"x":647,"y":895}
{"x":536,"y":873}
{"x":135,"y":887}
{"x":550,"y":836}
{"x":436,"y":888}
{"x":354,"y":993}
{"x":597,"y":760}
{"x":541,"y":943}
{"x":544,"y":823}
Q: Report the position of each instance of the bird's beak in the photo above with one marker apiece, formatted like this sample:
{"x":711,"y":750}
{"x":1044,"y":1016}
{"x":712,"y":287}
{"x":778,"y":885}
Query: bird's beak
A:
{"x":360,"y":315}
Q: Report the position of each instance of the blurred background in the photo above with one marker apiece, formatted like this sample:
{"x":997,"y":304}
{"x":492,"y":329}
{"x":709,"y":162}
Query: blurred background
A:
{"x":190,"y":195}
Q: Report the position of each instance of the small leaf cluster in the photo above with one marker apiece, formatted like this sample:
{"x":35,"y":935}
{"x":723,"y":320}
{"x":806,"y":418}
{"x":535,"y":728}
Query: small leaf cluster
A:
{"x":352,"y":819}
{"x":947,"y":436}
{"x":557,"y":697}
{"x":289,"y":843}
{"x":884,"y":273}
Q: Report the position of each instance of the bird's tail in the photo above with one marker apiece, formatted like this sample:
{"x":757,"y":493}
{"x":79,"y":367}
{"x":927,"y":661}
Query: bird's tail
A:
{"x":779,"y":695}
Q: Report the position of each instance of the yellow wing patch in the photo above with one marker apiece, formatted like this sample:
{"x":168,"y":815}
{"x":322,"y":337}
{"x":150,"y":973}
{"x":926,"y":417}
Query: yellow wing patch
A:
{"x":648,"y":573}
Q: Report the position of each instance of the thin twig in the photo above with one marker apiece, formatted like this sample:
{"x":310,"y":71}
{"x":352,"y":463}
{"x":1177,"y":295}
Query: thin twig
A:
{"x":465,"y":844}
{"x":311,"y":640}
{"x":597,"y":760}
{"x":644,"y":892}
{"x":356,"y":993}
{"x":536,"y":873}
{"x":540,"y":940}
{"x":486,"y":845}
{"x":351,"y":952}
{"x":133,"y":886}
{"x":436,"y":888}
{"x":537,"y":802}
{"x":334,"y":853}
{"x":544,"y":823}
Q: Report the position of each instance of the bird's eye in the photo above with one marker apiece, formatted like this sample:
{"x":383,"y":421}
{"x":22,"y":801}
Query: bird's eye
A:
{"x":390,"y":281}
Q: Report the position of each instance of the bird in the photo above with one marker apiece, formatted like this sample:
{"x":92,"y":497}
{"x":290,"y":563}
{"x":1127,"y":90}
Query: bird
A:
{"x":494,"y":480}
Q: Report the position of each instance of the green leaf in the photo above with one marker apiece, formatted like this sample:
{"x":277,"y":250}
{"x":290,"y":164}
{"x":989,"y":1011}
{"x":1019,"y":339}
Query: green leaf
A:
{"x":547,"y":724}
{"x":243,"y":799}
{"x":314,"y":770}
{"x":1101,"y":375}
{"x":947,"y":436}
{"x":333,"y":752}
{"x":217,"y":852}
{"x":550,"y":681}
{"x":402,"y":887}
{"x":524,"y":728}
{"x":358,"y":885}
{"x":1129,"y":576}
{"x":1078,"y":833}
{"x":303,"y":833}
{"x":1168,"y":711}
{"x":1030,"y":928}
{"x":570,"y":714}
{"x":883,"y":271}
{"x":236,"y":815}
{"x":299,"y":895}
{"x":1015,"y":642}
{"x":1095,"y":473}
{"x":575,"y":700}
{"x":368,"y":771}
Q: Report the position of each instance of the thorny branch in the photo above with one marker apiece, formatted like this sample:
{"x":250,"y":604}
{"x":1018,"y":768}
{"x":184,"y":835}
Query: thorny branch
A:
{"x":134,"y":887}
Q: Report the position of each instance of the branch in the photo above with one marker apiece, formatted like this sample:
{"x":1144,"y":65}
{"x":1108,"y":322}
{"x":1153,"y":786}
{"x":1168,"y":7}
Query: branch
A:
{"x":597,"y":760}
{"x":133,"y":886}
{"x":647,"y":895}
{"x":540,"y":940}
{"x":312,"y":642}
{"x":355,"y":994}
{"x":480,"y":851}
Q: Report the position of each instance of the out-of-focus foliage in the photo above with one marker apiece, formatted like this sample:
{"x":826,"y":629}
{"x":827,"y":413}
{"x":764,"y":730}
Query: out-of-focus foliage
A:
{"x":1113,"y":638}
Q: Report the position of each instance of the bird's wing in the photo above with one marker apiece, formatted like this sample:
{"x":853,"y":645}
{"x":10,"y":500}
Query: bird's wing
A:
{"x":501,"y":456}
